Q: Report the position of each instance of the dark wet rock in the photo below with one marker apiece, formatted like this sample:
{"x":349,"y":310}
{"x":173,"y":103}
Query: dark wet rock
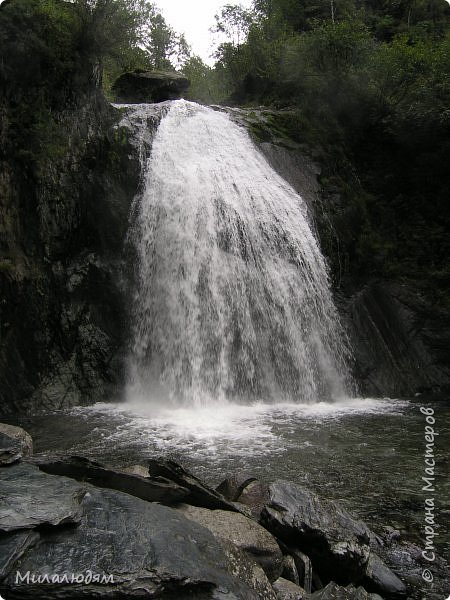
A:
{"x":136,"y":470}
{"x":244,"y":510}
{"x":199,"y":493}
{"x":232,"y":487}
{"x":15,"y":443}
{"x":244,"y":568}
{"x":150,"y":86}
{"x":380,"y":579}
{"x":406,"y":559}
{"x":390,"y":535}
{"x":335,"y":592}
{"x":30,"y":498}
{"x":244,"y":533}
{"x":146,"y":488}
{"x":64,"y":311}
{"x":286,"y":590}
{"x":255,"y":495}
{"x":304,"y":570}
{"x":13,"y":546}
{"x":400,"y":345}
{"x":337,"y":544}
{"x":289,"y":571}
{"x":149,"y":549}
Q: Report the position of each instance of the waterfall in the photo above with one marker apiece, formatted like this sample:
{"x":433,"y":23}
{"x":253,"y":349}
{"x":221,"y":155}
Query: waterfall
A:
{"x":232,"y":298}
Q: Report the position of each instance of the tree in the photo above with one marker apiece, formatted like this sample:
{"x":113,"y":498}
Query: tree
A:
{"x":234,"y":21}
{"x":108,"y":27}
{"x":165,"y":48}
{"x":203,"y":80}
{"x":300,"y":16}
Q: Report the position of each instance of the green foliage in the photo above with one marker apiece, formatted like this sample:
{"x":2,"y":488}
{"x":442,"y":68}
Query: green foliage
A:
{"x":165,"y":48}
{"x":208,"y":85}
{"x":427,"y":18}
{"x":152,"y":45}
{"x":67,"y":43}
{"x":298,"y":15}
{"x":39,"y":72}
{"x":331,"y":50}
{"x":410,"y":81}
{"x":6,"y":266}
{"x":234,"y":22}
{"x":325,"y":71}
{"x":99,"y":37}
{"x":110,"y":27}
{"x":48,"y":52}
{"x":125,"y":35}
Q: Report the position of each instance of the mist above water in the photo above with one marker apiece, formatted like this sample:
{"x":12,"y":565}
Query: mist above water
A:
{"x":232,"y":299}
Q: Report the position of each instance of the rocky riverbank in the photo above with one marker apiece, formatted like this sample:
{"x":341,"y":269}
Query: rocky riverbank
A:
{"x":73,"y":528}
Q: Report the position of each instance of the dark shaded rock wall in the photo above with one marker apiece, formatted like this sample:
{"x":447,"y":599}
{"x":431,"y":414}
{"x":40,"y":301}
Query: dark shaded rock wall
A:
{"x":400,"y":342}
{"x":63,"y":222}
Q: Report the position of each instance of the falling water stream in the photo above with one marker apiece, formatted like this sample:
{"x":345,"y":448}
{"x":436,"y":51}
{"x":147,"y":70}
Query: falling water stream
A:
{"x":232,"y":299}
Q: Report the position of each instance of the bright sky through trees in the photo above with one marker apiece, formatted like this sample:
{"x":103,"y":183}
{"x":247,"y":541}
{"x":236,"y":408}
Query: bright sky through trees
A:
{"x":194,"y":18}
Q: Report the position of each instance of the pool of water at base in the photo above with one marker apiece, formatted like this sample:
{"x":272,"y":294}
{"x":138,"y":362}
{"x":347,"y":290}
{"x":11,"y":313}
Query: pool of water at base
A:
{"x":366,"y":453}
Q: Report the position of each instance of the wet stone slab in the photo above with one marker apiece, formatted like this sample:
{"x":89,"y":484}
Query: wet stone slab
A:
{"x":149,"y":550}
{"x":30,"y":498}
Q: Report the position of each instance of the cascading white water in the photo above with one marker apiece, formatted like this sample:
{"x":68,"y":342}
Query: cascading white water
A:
{"x":232,"y":296}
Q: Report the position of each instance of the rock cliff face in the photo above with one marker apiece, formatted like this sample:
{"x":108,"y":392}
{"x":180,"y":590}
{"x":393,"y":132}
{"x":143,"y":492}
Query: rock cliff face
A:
{"x":400,"y":341}
{"x":63,"y":225}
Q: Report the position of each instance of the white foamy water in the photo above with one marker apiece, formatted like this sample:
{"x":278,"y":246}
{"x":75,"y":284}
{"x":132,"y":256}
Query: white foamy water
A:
{"x":230,"y":431}
{"x":232,"y":295}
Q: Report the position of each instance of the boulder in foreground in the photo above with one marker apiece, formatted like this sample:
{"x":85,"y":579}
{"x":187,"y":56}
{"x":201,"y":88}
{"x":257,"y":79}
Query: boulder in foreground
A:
{"x":244,"y":533}
{"x":199,"y":493}
{"x":380,"y":579}
{"x":151,"y":551}
{"x":337,"y":544}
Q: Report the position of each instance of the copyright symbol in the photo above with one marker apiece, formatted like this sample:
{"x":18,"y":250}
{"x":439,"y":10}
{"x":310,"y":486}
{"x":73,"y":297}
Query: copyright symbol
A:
{"x":427,"y":576}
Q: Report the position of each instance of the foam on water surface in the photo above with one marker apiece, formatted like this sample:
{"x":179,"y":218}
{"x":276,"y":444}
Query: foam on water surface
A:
{"x":230,"y":430}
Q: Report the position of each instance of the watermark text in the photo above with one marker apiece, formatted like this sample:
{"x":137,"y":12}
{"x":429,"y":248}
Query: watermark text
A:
{"x":428,"y":480}
{"x":63,"y":578}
